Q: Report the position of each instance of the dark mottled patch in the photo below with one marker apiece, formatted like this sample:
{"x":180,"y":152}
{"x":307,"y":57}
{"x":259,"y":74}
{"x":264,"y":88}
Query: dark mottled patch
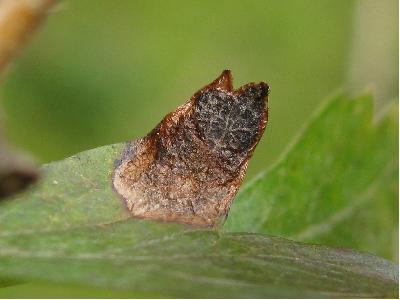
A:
{"x":231,"y":122}
{"x":189,"y":168}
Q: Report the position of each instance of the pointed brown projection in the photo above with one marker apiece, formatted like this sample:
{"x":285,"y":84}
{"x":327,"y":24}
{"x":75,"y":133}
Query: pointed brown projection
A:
{"x":189,"y":168}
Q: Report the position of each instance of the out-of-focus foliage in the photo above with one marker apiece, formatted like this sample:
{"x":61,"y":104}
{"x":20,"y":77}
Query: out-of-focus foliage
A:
{"x":108,"y":72}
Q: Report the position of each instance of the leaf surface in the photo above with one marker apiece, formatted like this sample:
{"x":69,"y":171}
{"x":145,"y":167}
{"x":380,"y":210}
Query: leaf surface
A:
{"x":176,"y":261}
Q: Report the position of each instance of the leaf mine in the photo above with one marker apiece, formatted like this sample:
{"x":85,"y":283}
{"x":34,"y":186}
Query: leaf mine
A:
{"x":189,"y":168}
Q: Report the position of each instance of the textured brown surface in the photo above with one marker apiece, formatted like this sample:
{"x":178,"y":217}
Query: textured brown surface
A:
{"x":189,"y":168}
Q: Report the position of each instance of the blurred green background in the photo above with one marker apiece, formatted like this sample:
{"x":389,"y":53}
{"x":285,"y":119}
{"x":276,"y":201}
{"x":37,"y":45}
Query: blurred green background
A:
{"x":102,"y":72}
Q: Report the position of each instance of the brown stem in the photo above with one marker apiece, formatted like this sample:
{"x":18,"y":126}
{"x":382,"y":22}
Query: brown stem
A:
{"x":18,"y":18}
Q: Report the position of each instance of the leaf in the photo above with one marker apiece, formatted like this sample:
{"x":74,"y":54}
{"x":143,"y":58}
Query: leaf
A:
{"x":74,"y":192}
{"x":73,"y":228}
{"x":6,"y":282}
{"x":176,"y":261}
{"x":337,"y":184}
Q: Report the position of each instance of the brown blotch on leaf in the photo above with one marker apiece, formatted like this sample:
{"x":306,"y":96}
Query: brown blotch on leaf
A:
{"x":189,"y":168}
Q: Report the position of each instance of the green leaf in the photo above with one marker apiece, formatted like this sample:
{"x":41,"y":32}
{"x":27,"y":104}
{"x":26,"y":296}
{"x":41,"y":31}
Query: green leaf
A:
{"x":73,"y":192}
{"x":336,"y":185}
{"x":6,"y":282}
{"x":176,"y":261}
{"x":73,"y":228}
